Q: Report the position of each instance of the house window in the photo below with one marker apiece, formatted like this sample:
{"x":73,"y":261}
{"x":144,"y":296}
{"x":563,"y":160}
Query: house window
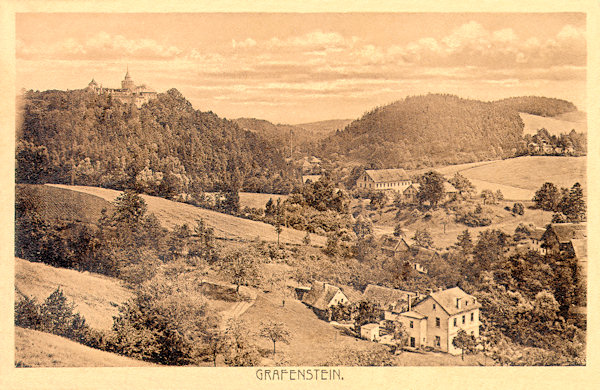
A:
{"x":434,"y":306}
{"x":437,"y":321}
{"x":455,"y":322}
{"x":463,"y":319}
{"x":472,"y":317}
{"x":411,"y":324}
{"x":438,"y":341}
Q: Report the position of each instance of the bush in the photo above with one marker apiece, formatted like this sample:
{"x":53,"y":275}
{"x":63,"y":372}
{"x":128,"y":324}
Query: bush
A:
{"x":518,"y":208}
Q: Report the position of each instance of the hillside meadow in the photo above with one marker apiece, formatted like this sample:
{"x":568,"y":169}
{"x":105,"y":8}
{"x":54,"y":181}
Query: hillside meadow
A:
{"x":225,"y":226}
{"x":555,"y":126}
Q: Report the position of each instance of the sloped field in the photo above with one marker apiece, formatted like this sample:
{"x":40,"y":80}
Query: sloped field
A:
{"x":555,"y":126}
{"x":226,"y":226}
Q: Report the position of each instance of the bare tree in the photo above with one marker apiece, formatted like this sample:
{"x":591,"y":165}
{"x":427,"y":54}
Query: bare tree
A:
{"x":275,"y":331}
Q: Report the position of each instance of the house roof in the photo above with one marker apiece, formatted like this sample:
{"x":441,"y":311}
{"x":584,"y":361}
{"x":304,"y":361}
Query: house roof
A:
{"x":312,"y":178}
{"x":415,"y":186}
{"x":413,"y":314}
{"x":320,"y":295}
{"x":385,"y":296}
{"x":352,"y":294}
{"x":420,"y":253}
{"x":447,"y":300}
{"x":394,"y":243}
{"x":449,"y":187}
{"x":370,"y":326}
{"x":565,"y":232}
{"x":580,"y":248}
{"x":387,"y":175}
{"x":537,"y":234}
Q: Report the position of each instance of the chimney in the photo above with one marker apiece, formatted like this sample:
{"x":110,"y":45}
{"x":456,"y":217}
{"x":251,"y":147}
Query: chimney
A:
{"x":408,"y":299}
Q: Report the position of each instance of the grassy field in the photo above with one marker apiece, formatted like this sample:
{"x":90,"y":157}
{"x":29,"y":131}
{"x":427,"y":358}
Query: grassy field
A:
{"x":39,"y":349}
{"x":226,"y":226}
{"x":530,"y":172}
{"x":312,"y":340}
{"x":57,"y":203}
{"x":555,"y":126}
{"x":519,"y":178}
{"x":96,"y":296}
{"x":255,"y":200}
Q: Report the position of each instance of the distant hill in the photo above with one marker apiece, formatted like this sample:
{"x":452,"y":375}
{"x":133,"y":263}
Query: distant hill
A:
{"x":537,"y":105}
{"x":163,"y":148}
{"x":561,"y":124}
{"x":326,"y":128}
{"x":428,"y":130}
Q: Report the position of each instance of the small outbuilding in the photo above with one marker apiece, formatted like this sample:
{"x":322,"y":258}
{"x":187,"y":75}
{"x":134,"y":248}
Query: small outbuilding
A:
{"x":370,"y":332}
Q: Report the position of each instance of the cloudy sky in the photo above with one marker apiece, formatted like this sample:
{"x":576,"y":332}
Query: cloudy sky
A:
{"x":293,"y":68}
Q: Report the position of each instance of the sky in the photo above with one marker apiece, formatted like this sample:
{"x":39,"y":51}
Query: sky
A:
{"x":296,"y":68}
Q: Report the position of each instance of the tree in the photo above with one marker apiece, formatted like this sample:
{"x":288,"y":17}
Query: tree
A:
{"x":465,"y":342}
{"x":462,"y":184}
{"x":575,"y":208}
{"x":547,"y":197}
{"x":545,"y":306}
{"x":278,"y":229}
{"x":488,"y":197}
{"x":378,"y":200}
{"x":465,"y":242}
{"x":276,"y":332}
{"x":499,"y":195}
{"x":423,"y":238}
{"x":398,"y":230}
{"x":130,"y":208}
{"x":241,"y":267}
{"x":216,"y":343}
{"x":363,"y":227}
{"x":306,"y":239}
{"x":364,"y":312}
{"x":432,"y":188}
{"x":518,"y":208}
{"x":240,"y":353}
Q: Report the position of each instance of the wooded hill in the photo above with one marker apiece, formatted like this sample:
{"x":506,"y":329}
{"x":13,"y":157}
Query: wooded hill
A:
{"x":437,"y":129}
{"x":163,"y":148}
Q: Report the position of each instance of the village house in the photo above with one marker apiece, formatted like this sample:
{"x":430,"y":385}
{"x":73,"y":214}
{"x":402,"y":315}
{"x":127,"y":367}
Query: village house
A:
{"x":394,"y":246}
{"x":384,"y":180}
{"x":410,"y":193}
{"x":370,"y":332}
{"x":536,"y":240}
{"x":322,"y":296}
{"x":436,"y":320}
{"x":388,"y":299}
{"x":558,"y":236}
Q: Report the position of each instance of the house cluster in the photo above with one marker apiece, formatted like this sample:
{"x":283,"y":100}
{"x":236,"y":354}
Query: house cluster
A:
{"x":430,"y":321}
{"x":128,"y":93}
{"x":397,"y":181}
{"x":405,"y":248}
{"x":545,"y":148}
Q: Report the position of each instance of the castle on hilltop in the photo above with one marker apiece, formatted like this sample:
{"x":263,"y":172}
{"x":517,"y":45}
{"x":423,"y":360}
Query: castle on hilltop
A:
{"x":128,"y":93}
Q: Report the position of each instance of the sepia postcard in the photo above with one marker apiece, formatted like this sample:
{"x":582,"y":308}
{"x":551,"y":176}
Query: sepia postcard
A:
{"x":283,"y":195}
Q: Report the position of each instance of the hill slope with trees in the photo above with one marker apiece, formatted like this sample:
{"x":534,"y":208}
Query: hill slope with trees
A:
{"x":164,"y":148}
{"x":437,"y":129}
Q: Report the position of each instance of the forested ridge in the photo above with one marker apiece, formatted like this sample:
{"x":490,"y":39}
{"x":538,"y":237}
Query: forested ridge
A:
{"x":164,"y":148}
{"x":438,"y":129}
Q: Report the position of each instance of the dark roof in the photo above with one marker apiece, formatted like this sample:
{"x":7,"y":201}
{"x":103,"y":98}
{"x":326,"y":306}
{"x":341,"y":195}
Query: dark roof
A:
{"x":447,"y":300}
{"x":320,"y":295}
{"x":385,"y":296}
{"x":387,"y":175}
{"x":421,"y":253}
{"x":394,"y":244}
{"x":413,"y":314}
{"x":565,"y":232}
{"x":580,"y":248}
{"x":537,"y":234}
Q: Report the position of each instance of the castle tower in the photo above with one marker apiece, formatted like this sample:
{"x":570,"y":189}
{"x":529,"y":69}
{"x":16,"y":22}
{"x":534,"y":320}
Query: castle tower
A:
{"x":127,"y":82}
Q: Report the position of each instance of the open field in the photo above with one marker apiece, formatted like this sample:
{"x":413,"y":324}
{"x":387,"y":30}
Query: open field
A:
{"x":58,"y":203}
{"x":39,"y":349}
{"x":96,"y":296}
{"x":254,"y":199}
{"x":312,"y":340}
{"x":530,"y":172}
{"x":519,"y":178}
{"x":226,"y":226}
{"x":555,"y":126}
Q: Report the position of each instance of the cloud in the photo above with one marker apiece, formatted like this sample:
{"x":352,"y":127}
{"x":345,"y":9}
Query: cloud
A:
{"x":100,"y":46}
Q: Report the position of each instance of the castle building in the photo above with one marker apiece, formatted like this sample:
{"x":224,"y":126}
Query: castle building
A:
{"x":128,"y":93}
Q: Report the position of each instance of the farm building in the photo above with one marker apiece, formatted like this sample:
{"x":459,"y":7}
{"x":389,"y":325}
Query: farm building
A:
{"x":323,"y":296}
{"x":388,"y":298}
{"x":370,"y":332}
{"x":384,"y":179}
{"x":393,"y":246}
{"x":558,"y":236}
